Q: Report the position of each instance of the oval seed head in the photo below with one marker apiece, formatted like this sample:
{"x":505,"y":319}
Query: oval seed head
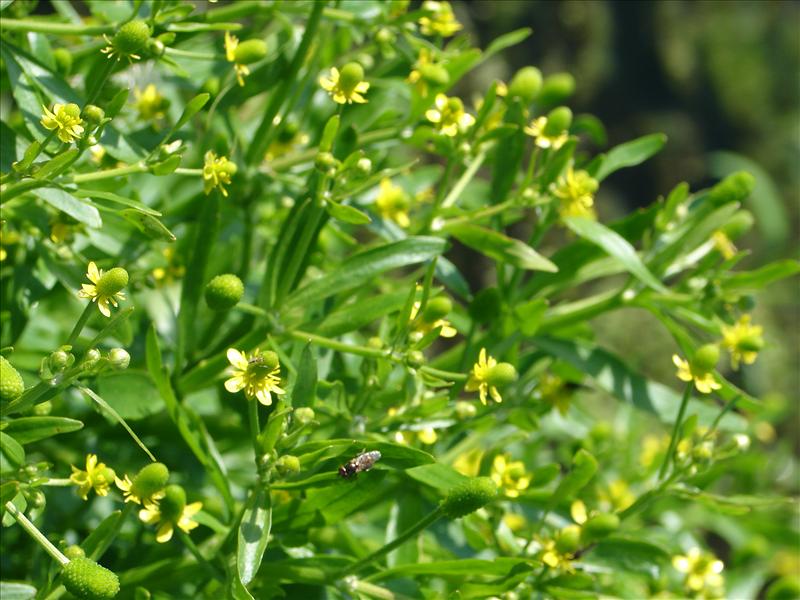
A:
{"x":74,"y":551}
{"x":93,"y":114}
{"x":740,"y":223}
{"x":556,"y":88}
{"x":304,"y":415}
{"x":119,"y":358}
{"x":435,"y":75}
{"x":172,"y":504}
{"x":599,"y":526}
{"x":568,"y":539}
{"x":112,"y":282}
{"x":224,"y":292}
{"x":87,"y":580}
{"x":437,"y":308}
{"x":63,"y":60}
{"x":525,"y":84}
{"x":250,"y":51}
{"x":288,"y":465}
{"x":469,"y":496}
{"x":270,"y":359}
{"x":150,"y":480}
{"x":350,"y":76}
{"x":11,"y":384}
{"x":501,"y":374}
{"x":558,"y":120}
{"x":131,"y":37}
{"x":706,"y":358}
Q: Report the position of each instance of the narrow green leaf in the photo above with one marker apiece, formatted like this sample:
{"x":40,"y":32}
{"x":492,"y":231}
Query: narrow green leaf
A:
{"x":9,"y":590}
{"x":131,"y":393}
{"x":148,"y":224}
{"x":629,"y":554}
{"x":507,"y":40}
{"x":467,"y":567}
{"x":192,"y":108}
{"x":69,"y":204}
{"x":615,"y":245}
{"x":760,"y":278}
{"x":436,"y":475}
{"x":114,"y":415}
{"x":31,"y":429}
{"x":12,"y":452}
{"x":630,"y":154}
{"x":57,"y":164}
{"x":111,"y":197}
{"x":529,"y":315}
{"x":360,"y":313}
{"x":97,"y":542}
{"x":253,"y":534}
{"x":329,"y":134}
{"x":304,"y":390}
{"x":166,"y":167}
{"x":347,"y":213}
{"x":8,"y":490}
{"x":499,"y":247}
{"x":584,"y":466}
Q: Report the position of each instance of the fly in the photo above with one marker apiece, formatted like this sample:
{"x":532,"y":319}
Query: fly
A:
{"x":362,"y":462}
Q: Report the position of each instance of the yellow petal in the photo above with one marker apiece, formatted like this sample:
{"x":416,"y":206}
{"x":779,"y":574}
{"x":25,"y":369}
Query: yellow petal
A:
{"x":237,"y":359}
{"x":164,"y":533}
{"x":93,"y":273}
{"x":235,"y":384}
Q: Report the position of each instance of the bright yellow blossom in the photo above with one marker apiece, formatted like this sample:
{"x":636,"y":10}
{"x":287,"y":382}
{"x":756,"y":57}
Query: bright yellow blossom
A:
{"x":509,"y":475}
{"x":105,"y":289}
{"x":152,"y":514}
{"x":449,"y":116}
{"x":478,"y":378}
{"x":440,"y":19}
{"x":258,"y":375}
{"x":424,"y":327}
{"x":392,"y":203}
{"x":150,"y":103}
{"x":97,"y":477}
{"x":703,"y":573}
{"x":426,"y":436}
{"x":129,"y":493}
{"x":575,"y":191}
{"x":543,"y":140}
{"x":345,"y":87}
{"x":217,"y":173}
{"x":65,"y":120}
{"x":743,"y":341}
{"x":555,"y":558}
{"x":704,"y":381}
{"x":231,"y":43}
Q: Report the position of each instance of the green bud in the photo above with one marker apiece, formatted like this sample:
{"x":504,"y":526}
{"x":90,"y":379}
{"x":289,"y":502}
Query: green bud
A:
{"x":156,"y":47}
{"x":375,"y":343}
{"x":703,"y":452}
{"x":525,"y":84}
{"x":364,"y":166}
{"x":211,"y":85}
{"x":172,"y":504}
{"x":558,"y":120}
{"x":87,"y":580}
{"x":467,"y":497}
{"x":435,"y":75}
{"x":119,"y":358}
{"x":43,"y":408}
{"x":288,"y":465}
{"x":63,"y":60}
{"x":131,"y":37}
{"x":59,"y":360}
{"x":150,"y":480}
{"x":599,"y":526}
{"x":740,"y":223}
{"x":325,"y":161}
{"x":224,"y":292}
{"x":112,"y":281}
{"x":11,"y":384}
{"x":556,"y":89}
{"x":74,"y":551}
{"x":486,"y":305}
{"x":141,"y":593}
{"x":465,"y":410}
{"x":250,"y":51}
{"x":350,"y":76}
{"x":734,"y":188}
{"x":73,"y":110}
{"x":437,"y":308}
{"x":270,"y":359}
{"x":94,"y":115}
{"x":167,"y":38}
{"x":415,"y":359}
{"x":90,"y":359}
{"x":304,"y":415}
{"x":501,"y":374}
{"x":568,"y":539}
{"x":385,"y":36}
{"x":706,"y":358}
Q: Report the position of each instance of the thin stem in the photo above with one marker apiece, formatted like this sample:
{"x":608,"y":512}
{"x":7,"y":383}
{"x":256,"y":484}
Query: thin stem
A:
{"x":340,"y":346}
{"x":675,"y":429}
{"x":255,"y":428}
{"x":193,"y":172}
{"x":108,"y":173}
{"x":76,"y":331}
{"x":98,"y":83}
{"x":298,"y":158}
{"x":34,"y":532}
{"x":192,"y":547}
{"x":464,"y":180}
{"x":449,"y":375}
{"x":190,"y":54}
{"x":56,"y":28}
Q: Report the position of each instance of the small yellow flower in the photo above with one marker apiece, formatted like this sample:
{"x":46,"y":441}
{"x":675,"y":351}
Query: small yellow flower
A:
{"x":743,"y":341}
{"x":345,"y":87}
{"x":704,"y":381}
{"x":426,"y":436}
{"x":469,"y":463}
{"x":426,"y":72}
{"x":172,"y":271}
{"x":541,"y":139}
{"x":129,"y":494}
{"x":449,"y":116}
{"x":703,"y":573}
{"x":65,"y":119}
{"x":150,"y":103}
{"x":217,"y":173}
{"x":440,"y":20}
{"x":478,"y":378}
{"x":231,"y":43}
{"x":555,"y":558}
{"x":424,"y":327}
{"x":652,"y":447}
{"x":97,"y":477}
{"x":258,"y":375}
{"x":392,"y":203}
{"x":723,"y":244}
{"x":153,"y":514}
{"x":510,"y":476}
{"x":575,"y":191}
{"x":106,"y":288}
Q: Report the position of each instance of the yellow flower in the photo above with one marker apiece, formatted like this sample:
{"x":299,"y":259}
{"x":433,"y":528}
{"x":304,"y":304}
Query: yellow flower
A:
{"x":449,"y":116}
{"x":258,"y":375}
{"x":541,"y":139}
{"x":723,"y":244}
{"x":217,"y":173}
{"x":345,"y":87}
{"x":426,"y":72}
{"x":509,"y":476}
{"x":129,"y":494}
{"x":478,"y":378}
{"x":156,"y":513}
{"x":575,"y":190}
{"x":469,"y":463}
{"x":97,"y":477}
{"x":555,"y":558}
{"x":172,"y":271}
{"x":66,"y":120}
{"x":105,"y":287}
{"x":652,"y":447}
{"x":150,"y":103}
{"x":704,"y":381}
{"x":440,"y":20}
{"x":424,"y":326}
{"x":231,"y":43}
{"x":392,"y":203}
{"x":426,"y":436}
{"x":743,"y":341}
{"x":703,"y":573}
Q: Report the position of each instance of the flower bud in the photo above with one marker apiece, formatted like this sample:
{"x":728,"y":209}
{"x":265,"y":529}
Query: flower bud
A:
{"x":364,"y":166}
{"x":599,"y":526}
{"x":304,"y":415}
{"x":435,"y":75}
{"x":486,"y":305}
{"x":465,"y":410}
{"x":11,"y":384}
{"x":94,"y":115}
{"x":375,"y":342}
{"x":91,"y":357}
{"x":415,"y":359}
{"x":703,"y":453}
{"x":467,"y":497}
{"x":131,"y":37}
{"x":63,"y":60}
{"x":385,"y":36}
{"x":288,"y":465}
{"x":706,"y":358}
{"x":74,"y":551}
{"x":59,"y":360}
{"x":87,"y":580}
{"x":325,"y":161}
{"x":740,"y":223}
{"x":224,"y":292}
{"x":558,"y":120}
{"x":43,"y":408}
{"x":501,"y":374}
{"x":350,"y":76}
{"x":172,"y":504}
{"x":568,"y":539}
{"x":250,"y":51}
{"x":556,"y":88}
{"x":211,"y":85}
{"x":525,"y":84}
{"x":437,"y":308}
{"x":112,"y":282}
{"x":72,"y":110}
{"x":119,"y":358}
{"x":150,"y":480}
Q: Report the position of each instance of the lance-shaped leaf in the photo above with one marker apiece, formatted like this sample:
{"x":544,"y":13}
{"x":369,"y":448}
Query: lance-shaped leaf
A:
{"x":253,"y":534}
{"x":501,"y":247}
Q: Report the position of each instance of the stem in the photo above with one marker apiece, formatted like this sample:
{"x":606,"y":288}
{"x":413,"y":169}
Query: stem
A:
{"x":20,"y":188}
{"x":98,"y":83}
{"x":465,"y":178}
{"x":192,"y":547}
{"x":190,"y":54}
{"x":449,"y":375}
{"x":255,"y":428}
{"x":192,"y":172}
{"x":340,"y":346}
{"x":108,"y":173}
{"x":56,"y":28}
{"x":676,"y":427}
{"x":298,"y":158}
{"x":76,"y":331}
{"x":37,"y":535}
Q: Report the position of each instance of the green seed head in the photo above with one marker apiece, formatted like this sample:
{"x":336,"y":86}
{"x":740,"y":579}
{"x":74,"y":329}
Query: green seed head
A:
{"x":525,"y":84}
{"x":751,"y":343}
{"x":558,"y":120}
{"x":556,"y":88}
{"x":706,"y":358}
{"x":150,"y":480}
{"x":568,"y":539}
{"x":437,"y":308}
{"x":119,"y":358}
{"x":435,"y":75}
{"x":112,"y":282}
{"x":501,"y":374}
{"x":224,"y":292}
{"x":63,"y":59}
{"x":250,"y":51}
{"x":172,"y":504}
{"x":131,"y":37}
{"x":11,"y":384}
{"x":93,"y":114}
{"x":350,"y":76}
{"x":73,"y":552}
{"x":270,"y":359}
{"x":599,"y":526}
{"x":468,"y":497}
{"x":87,"y":580}
{"x":304,"y":415}
{"x":288,"y":465}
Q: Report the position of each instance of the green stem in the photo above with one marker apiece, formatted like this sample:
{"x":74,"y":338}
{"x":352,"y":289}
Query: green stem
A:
{"x":37,"y":535}
{"x":108,"y":173}
{"x":76,"y":331}
{"x":255,"y":428}
{"x":55,"y":28}
{"x":442,"y":188}
{"x":192,"y":547}
{"x":581,"y":310}
{"x":190,"y":54}
{"x":192,"y":172}
{"x":464,"y":180}
{"x":449,"y":375}
{"x":675,"y":429}
{"x":100,"y":81}
{"x":337,"y":345}
{"x":21,"y":187}
{"x":298,"y":158}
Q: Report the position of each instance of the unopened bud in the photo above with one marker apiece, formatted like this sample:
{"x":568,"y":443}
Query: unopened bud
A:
{"x":525,"y":84}
{"x":288,"y":465}
{"x":304,"y":415}
{"x":119,"y":358}
{"x":465,"y":410}
{"x":568,"y":539}
{"x":94,"y":115}
{"x":706,"y":358}
{"x":437,"y":308}
{"x":558,"y":120}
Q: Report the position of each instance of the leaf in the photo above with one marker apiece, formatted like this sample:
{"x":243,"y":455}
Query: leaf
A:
{"x":31,"y":429}
{"x":16,"y":591}
{"x":347,"y":214}
{"x":8,"y":490}
{"x":165,"y":167}
{"x":253,"y":534}
{"x":584,"y":466}
{"x":629,"y":554}
{"x":396,"y":456}
{"x":192,"y":108}
{"x":630,"y":154}
{"x":499,"y":247}
{"x":467,"y":567}
{"x":148,"y":225}
{"x":305,"y":386}
{"x":57,"y":164}
{"x":12,"y":452}
{"x":507,"y":40}
{"x":759,"y":278}
{"x":360,"y":313}
{"x":65,"y":202}
{"x":437,"y":475}
{"x":365,"y":266}
{"x":132,"y":393}
{"x":406,"y":511}
{"x":115,"y":416}
{"x":111,"y":197}
{"x":97,"y":542}
{"x":615,"y":245}
{"x":529,"y":315}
